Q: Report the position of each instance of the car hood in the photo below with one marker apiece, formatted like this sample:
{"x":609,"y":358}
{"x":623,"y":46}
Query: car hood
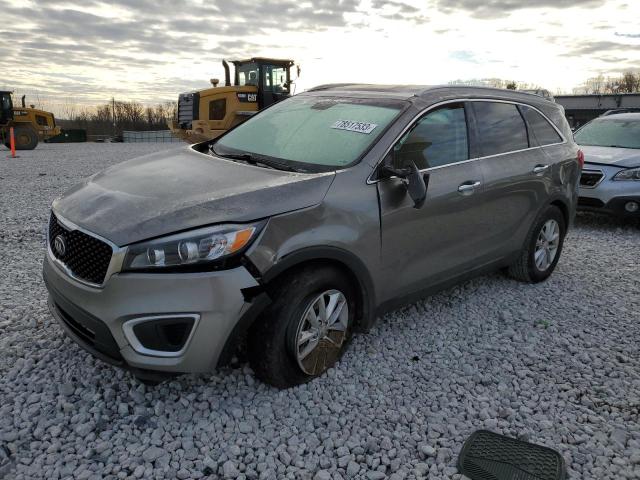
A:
{"x":619,"y":157}
{"x":181,"y":189}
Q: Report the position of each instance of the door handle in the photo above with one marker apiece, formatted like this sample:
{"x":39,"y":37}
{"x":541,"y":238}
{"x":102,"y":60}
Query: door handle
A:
{"x":468,"y":188}
{"x":540,"y":169}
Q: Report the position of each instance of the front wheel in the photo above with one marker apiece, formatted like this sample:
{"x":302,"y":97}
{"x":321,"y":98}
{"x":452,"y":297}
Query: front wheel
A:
{"x":26,"y":138}
{"x":306,"y":329}
{"x":542,"y":249}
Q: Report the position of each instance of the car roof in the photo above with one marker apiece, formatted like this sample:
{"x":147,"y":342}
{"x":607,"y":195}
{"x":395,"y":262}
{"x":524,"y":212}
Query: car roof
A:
{"x":404,"y":91}
{"x":410,"y":91}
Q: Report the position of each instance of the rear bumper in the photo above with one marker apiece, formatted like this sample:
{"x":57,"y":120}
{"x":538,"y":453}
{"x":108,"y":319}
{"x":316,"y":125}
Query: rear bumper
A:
{"x":94,"y":317}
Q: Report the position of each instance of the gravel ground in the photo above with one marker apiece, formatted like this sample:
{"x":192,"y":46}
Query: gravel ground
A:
{"x":555,"y":363}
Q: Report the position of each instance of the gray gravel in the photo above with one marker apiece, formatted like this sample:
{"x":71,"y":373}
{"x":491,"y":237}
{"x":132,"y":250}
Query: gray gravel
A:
{"x":556,"y":364}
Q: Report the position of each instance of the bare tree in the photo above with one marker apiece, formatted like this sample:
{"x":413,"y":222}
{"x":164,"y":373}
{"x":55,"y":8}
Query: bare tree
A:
{"x":595,"y":85}
{"x":126,"y":116}
{"x":628,"y":82}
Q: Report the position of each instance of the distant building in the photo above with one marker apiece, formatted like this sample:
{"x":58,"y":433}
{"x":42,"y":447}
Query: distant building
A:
{"x":580,"y":109}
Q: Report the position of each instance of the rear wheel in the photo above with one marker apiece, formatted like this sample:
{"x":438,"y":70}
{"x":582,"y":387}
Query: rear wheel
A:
{"x":26,"y":138}
{"x":305,"y":331}
{"x":542,"y":248}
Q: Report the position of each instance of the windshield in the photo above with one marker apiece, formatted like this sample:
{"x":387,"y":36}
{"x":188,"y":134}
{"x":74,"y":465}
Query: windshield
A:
{"x":610,"y":132}
{"x":311,"y":133}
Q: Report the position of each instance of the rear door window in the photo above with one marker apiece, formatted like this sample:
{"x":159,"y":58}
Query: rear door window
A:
{"x":437,"y":139}
{"x":501,"y":128}
{"x":540,"y":130}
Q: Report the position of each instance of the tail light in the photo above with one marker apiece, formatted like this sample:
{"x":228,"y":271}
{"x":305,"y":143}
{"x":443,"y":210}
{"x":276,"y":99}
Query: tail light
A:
{"x":581,"y":158}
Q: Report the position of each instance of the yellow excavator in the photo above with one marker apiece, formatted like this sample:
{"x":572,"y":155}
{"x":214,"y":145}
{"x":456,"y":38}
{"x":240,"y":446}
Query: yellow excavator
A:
{"x":257,"y":83}
{"x":30,"y":125}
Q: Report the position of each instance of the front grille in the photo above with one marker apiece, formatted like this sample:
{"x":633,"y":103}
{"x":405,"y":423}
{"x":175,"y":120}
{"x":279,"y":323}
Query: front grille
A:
{"x":590,"y":202}
{"x":590,"y":178}
{"x":87,"y":257}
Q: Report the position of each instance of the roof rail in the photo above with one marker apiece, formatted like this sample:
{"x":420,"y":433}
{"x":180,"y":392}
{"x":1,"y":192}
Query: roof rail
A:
{"x":329,"y":86}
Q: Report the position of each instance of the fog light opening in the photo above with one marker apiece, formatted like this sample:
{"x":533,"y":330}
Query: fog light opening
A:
{"x":160,"y":336}
{"x":631,"y":207}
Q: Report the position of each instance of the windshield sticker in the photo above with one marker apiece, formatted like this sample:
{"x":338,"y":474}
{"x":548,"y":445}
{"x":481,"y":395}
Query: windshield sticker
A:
{"x":359,"y":127}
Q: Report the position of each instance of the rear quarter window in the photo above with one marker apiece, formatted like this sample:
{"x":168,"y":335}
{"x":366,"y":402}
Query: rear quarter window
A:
{"x":540,"y":130}
{"x":501,"y":128}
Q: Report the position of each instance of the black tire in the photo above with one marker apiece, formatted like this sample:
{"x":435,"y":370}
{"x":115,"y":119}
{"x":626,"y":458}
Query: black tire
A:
{"x":26,"y":138}
{"x":271,"y":344}
{"x":525,"y":268}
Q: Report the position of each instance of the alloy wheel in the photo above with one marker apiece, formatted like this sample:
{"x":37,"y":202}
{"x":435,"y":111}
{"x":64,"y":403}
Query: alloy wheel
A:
{"x":322,"y":331}
{"x":547,"y":245}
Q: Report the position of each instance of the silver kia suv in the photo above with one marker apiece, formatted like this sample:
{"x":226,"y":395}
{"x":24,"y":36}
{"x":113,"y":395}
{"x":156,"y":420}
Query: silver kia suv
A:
{"x":301,"y":226}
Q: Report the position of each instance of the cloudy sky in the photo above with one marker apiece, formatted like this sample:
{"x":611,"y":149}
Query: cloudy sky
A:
{"x":87,"y":51}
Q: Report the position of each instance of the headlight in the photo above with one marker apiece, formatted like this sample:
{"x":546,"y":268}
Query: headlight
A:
{"x":191,"y":249}
{"x":631,"y":174}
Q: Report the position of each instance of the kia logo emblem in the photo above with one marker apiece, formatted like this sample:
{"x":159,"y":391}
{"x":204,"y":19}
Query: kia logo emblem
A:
{"x":60,"y":245}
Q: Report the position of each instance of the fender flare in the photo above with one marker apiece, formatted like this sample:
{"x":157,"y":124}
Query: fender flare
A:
{"x":567,"y":212}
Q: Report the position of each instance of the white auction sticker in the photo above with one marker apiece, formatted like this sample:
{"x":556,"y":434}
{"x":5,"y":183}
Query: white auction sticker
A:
{"x":360,"y":127}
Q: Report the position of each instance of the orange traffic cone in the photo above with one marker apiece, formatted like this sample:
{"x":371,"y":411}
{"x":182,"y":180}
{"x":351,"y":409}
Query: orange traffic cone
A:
{"x":12,"y":142}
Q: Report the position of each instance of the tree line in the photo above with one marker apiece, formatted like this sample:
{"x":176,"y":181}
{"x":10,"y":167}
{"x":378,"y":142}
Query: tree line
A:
{"x":111,"y":119}
{"x":628,"y":82}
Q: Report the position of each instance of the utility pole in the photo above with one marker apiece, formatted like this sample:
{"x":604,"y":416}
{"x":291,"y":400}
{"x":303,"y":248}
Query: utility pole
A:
{"x":113,"y":109}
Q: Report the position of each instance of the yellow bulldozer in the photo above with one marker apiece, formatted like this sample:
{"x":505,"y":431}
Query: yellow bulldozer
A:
{"x":30,"y":125}
{"x":257,"y":83}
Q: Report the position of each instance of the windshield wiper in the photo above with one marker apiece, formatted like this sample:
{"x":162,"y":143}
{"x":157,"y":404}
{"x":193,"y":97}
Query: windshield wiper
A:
{"x":276,"y":165}
{"x":254,"y":160}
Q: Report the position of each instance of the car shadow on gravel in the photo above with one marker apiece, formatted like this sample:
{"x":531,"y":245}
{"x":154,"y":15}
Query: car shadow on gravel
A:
{"x":599,"y":220}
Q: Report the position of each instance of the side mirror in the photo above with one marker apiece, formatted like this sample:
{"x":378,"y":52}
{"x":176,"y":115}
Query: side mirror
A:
{"x":415,"y":181}
{"x":416,"y":186}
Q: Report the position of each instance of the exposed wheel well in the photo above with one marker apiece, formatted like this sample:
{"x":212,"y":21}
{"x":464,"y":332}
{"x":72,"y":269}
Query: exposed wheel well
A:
{"x":362,"y":314}
{"x":260,"y":296}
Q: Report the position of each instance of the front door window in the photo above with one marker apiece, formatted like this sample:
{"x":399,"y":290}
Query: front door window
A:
{"x":439,"y":138}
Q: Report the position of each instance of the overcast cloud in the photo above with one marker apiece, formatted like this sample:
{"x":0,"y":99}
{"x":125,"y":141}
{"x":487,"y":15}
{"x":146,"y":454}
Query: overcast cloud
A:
{"x":87,"y":51}
{"x":502,"y":8}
